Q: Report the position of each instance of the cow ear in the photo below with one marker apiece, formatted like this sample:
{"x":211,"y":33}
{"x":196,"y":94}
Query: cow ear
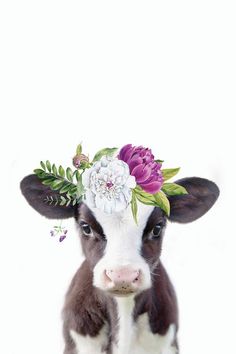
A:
{"x":201,"y":196}
{"x":35,"y":193}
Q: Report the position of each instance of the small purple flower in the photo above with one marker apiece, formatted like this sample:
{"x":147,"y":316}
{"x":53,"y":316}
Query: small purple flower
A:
{"x":142,"y":166}
{"x":62,"y":238}
{"x":52,"y":233}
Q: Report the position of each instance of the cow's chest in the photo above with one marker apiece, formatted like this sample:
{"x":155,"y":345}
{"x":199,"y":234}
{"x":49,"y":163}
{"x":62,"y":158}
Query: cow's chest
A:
{"x":138,"y":339}
{"x":132,"y":338}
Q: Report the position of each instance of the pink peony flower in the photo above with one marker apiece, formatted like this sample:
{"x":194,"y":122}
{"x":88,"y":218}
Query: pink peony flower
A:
{"x":142,"y":166}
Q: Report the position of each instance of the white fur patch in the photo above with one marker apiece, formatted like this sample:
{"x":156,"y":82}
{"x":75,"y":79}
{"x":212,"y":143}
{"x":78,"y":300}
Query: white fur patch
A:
{"x":124,"y":241}
{"x":137,"y":338}
{"x":90,"y":345}
{"x":147,"y":342}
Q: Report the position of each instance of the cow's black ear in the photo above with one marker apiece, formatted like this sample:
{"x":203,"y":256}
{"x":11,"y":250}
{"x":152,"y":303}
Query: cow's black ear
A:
{"x":35,"y":193}
{"x":201,"y":196}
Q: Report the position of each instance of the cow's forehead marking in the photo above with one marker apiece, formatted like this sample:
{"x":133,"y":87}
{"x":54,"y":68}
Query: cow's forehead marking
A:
{"x":123,"y":221}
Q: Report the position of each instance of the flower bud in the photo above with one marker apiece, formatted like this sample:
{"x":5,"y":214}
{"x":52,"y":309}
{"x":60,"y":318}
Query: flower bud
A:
{"x":80,"y":160}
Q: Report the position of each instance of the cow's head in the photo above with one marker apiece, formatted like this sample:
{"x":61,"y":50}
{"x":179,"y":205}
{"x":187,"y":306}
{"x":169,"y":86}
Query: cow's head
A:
{"x":121,"y":254}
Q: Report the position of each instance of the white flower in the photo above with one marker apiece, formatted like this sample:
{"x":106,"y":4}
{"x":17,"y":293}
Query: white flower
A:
{"x":108,"y":185}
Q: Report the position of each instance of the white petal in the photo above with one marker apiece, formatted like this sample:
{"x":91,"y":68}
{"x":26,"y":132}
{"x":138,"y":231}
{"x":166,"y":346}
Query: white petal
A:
{"x":86,"y":177}
{"x":100,"y":202}
{"x":90,"y":199}
{"x":131,"y":182}
{"x":109,"y":206}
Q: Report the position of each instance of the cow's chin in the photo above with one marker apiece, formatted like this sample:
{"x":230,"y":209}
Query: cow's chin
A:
{"x":117,"y":293}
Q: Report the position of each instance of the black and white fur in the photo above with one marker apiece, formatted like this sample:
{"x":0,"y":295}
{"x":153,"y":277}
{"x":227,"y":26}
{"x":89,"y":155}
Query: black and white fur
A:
{"x":121,"y":300}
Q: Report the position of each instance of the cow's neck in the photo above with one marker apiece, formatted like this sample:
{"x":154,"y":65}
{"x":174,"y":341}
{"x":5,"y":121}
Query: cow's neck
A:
{"x":125,"y":307}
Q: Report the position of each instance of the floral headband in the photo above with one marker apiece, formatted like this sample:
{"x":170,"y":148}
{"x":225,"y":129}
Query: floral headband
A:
{"x":112,"y":181}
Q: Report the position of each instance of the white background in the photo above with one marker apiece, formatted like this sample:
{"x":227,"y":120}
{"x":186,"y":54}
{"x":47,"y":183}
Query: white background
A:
{"x":161,"y":74}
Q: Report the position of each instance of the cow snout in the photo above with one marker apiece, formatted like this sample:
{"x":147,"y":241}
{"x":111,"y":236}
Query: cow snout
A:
{"x":122,"y":280}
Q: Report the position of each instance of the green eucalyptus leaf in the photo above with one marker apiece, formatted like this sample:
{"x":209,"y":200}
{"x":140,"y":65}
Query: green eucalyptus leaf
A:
{"x":134,"y":207}
{"x":168,"y":173}
{"x":43,"y":165}
{"x":69,"y":174}
{"x":162,"y":201}
{"x":173,"y":189}
{"x":61,"y":171}
{"x":104,"y":152}
{"x":48,"y":164}
{"x":74,"y":202}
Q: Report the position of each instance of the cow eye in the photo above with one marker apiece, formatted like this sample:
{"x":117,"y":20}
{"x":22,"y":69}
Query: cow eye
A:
{"x":86,"y":228}
{"x":156,"y":231}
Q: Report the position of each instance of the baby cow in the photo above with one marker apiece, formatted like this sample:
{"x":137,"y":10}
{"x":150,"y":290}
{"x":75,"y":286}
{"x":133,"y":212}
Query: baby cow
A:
{"x":121,"y":300}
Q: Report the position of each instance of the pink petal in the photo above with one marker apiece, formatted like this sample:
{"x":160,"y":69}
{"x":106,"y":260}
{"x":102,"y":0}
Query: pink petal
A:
{"x":137,"y":171}
{"x":145,"y":175}
{"x":123,"y":151}
{"x":152,"y":187}
{"x":134,"y":163}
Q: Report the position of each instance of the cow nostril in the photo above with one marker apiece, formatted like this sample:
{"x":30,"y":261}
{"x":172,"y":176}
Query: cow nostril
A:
{"x":108,"y":275}
{"x":137,"y":277}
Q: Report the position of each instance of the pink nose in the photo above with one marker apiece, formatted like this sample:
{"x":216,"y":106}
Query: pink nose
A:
{"x":122,"y":275}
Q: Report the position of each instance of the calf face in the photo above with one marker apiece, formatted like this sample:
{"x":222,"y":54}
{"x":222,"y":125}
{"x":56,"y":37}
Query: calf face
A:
{"x":121,"y":253}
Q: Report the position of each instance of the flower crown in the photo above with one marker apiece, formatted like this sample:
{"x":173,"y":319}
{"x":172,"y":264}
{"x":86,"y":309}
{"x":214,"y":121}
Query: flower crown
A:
{"x":112,"y":181}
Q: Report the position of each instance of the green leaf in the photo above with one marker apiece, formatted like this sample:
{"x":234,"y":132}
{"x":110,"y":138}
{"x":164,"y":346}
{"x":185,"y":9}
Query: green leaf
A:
{"x":72,"y":190}
{"x":162,"y":201}
{"x":74,"y":202}
{"x":145,"y":200}
{"x":63,"y":200}
{"x":38,"y":171}
{"x":68,"y":202}
{"x":57,"y":184}
{"x":77,"y":175}
{"x":134,"y":207}
{"x":79,"y":149}
{"x":43,"y":165}
{"x":159,"y":161}
{"x":61,"y":171}
{"x":49,"y":167}
{"x":173,"y":189}
{"x":168,"y":173}
{"x":80,"y":187}
{"x":54,"y":169}
{"x":65,"y":188}
{"x":104,"y":152}
{"x":48,"y":181}
{"x":69,"y":174}
{"x":143,"y":196}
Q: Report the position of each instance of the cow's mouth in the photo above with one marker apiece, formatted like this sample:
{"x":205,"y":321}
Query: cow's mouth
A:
{"x":121,"y":292}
